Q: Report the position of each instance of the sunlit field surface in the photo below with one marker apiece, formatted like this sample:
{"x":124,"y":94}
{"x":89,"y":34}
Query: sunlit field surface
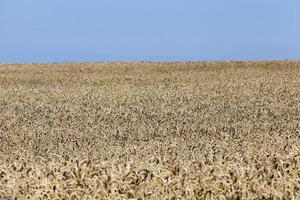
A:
{"x":190,"y":130}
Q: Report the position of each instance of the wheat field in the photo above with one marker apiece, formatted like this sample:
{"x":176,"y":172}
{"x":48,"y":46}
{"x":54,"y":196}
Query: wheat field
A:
{"x":150,"y":130}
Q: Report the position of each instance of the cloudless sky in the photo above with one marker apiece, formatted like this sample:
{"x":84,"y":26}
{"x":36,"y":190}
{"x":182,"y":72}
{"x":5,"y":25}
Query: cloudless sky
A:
{"x":133,"y":30}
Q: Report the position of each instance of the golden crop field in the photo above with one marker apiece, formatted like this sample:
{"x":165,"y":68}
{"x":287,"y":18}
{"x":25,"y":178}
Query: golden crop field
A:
{"x":177,"y":130}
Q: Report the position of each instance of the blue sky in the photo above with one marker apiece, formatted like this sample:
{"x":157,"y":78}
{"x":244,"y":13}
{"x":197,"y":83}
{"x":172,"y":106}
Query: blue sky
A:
{"x":133,"y":30}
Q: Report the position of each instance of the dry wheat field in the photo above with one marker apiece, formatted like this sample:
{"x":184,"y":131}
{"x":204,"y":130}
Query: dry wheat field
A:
{"x":143,"y":130}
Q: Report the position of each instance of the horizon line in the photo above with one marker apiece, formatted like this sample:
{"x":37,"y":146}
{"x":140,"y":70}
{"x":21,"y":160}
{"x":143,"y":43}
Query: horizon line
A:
{"x":155,"y":61}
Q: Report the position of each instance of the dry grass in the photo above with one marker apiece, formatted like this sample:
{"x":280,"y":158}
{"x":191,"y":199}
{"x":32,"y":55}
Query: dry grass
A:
{"x":193,"y":130}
